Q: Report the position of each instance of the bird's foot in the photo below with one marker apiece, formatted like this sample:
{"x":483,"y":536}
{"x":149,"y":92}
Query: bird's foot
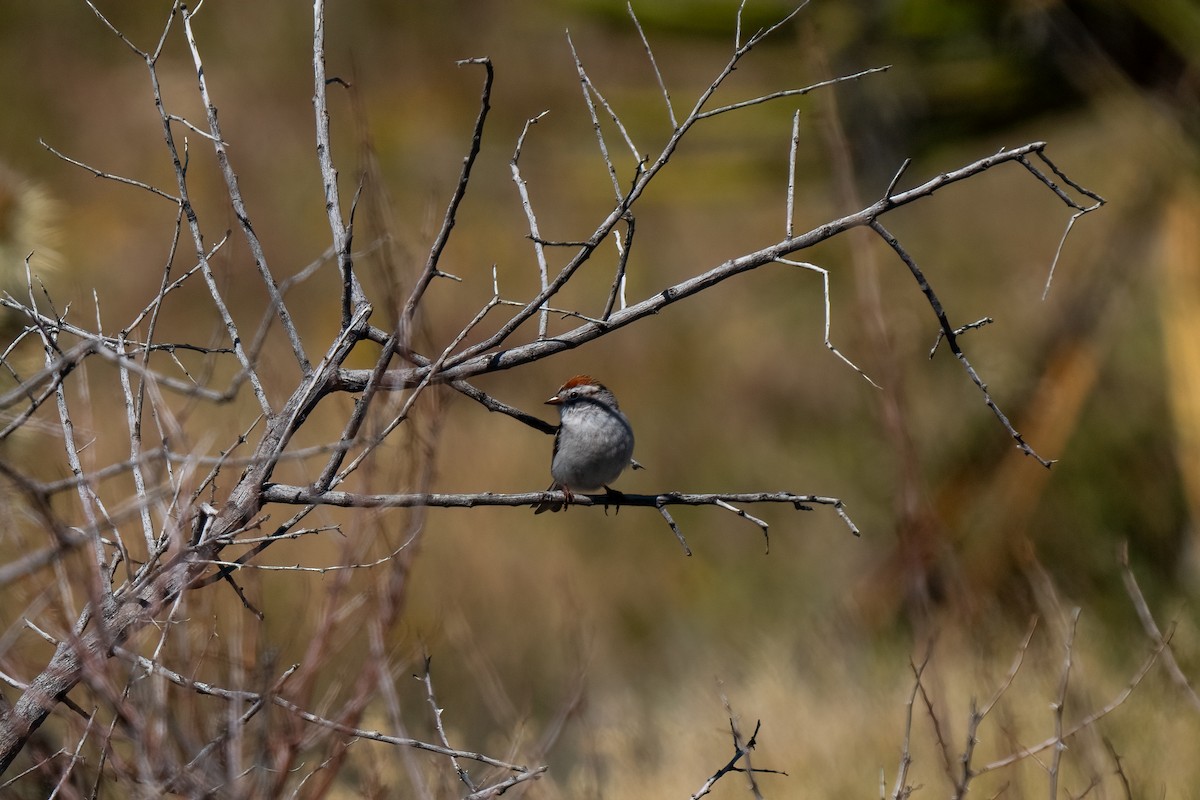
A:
{"x":613,"y":496}
{"x":551,"y":503}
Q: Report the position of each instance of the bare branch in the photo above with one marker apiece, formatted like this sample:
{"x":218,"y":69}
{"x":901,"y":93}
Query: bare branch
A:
{"x":538,"y":247}
{"x":300,"y":495}
{"x":427,"y":680}
{"x":963,"y":781}
{"x":952,"y":340}
{"x":766,"y":98}
{"x":654,"y":64}
{"x":742,"y":49}
{"x":902,"y":790}
{"x":590,"y":91}
{"x":790,"y":218}
{"x":741,"y":750}
{"x":666,"y":515}
{"x":431,"y":270}
{"x":1080,"y":210}
{"x":1082,"y":724}
{"x":352,"y":294}
{"x":618,"y":287}
{"x":1153,"y":631}
{"x":248,"y":370}
{"x":235,"y":199}
{"x":959,"y":331}
{"x":111,"y":177}
{"x":749,"y":518}
{"x":828,"y":344}
{"x":113,"y":29}
{"x":213,"y":690}
{"x":1060,"y":702}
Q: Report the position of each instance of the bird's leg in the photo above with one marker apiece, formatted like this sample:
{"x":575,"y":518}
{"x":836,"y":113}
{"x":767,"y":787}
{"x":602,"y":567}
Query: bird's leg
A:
{"x":612,"y":496}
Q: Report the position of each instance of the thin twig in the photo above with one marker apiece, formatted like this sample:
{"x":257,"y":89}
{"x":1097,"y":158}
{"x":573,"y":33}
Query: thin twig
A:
{"x":902,"y":790}
{"x":248,"y":371}
{"x":234,"y":191}
{"x":970,"y":326}
{"x":654,"y":64}
{"x":952,"y":340}
{"x":825,"y":291}
{"x":618,"y":287}
{"x":431,"y":269}
{"x":427,"y":680}
{"x":896,"y":178}
{"x":790,"y":217}
{"x":749,"y":518}
{"x":1083,"y":724}
{"x":963,"y":781}
{"x":526,"y":204}
{"x":740,"y":751}
{"x":111,"y":177}
{"x":590,"y":91}
{"x":205,"y":688}
{"x":1153,"y":631}
{"x":1080,"y":209}
{"x":1060,"y":703}
{"x":666,"y":515}
{"x":766,"y":98}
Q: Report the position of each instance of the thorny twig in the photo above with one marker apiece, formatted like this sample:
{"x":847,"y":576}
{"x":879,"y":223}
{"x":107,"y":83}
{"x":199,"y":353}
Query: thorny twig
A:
{"x":741,"y":750}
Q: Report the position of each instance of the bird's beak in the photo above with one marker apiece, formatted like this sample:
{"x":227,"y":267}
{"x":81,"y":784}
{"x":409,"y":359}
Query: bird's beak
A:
{"x":554,"y":401}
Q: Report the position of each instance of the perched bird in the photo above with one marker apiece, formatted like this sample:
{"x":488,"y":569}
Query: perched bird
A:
{"x":594,"y":443}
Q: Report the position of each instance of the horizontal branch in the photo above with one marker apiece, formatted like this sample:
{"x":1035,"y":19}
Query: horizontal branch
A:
{"x":303,"y":495}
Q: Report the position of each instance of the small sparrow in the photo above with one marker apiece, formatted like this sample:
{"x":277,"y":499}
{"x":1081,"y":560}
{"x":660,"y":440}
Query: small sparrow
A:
{"x":594,"y":443}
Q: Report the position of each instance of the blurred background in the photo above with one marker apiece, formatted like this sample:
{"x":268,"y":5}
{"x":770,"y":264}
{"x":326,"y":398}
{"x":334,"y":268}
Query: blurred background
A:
{"x":964,"y":538}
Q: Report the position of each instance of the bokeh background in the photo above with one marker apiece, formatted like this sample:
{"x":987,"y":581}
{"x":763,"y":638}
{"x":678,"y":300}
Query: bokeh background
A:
{"x":964,"y":539}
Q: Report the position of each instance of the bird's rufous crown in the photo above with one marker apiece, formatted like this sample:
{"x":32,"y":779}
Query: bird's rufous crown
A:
{"x":579,"y":380}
